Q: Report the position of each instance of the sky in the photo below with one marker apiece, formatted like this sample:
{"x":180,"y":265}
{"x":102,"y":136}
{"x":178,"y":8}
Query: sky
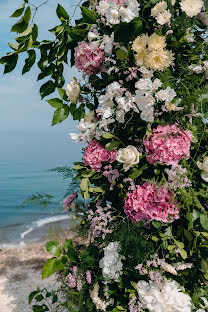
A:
{"x":25,"y":121}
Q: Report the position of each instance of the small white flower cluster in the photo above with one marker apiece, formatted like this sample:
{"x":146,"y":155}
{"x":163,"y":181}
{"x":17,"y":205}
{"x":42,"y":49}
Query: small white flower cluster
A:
{"x":142,"y":103}
{"x":165,"y":298}
{"x":99,"y":303}
{"x":118,"y":11}
{"x":198,"y":68}
{"x":87,"y":129}
{"x":111,"y":264}
{"x":98,"y":41}
{"x":144,"y":97}
{"x":107,"y":107}
{"x":160,"y":12}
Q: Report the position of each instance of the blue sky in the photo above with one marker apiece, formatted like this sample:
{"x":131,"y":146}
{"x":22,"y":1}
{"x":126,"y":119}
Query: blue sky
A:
{"x":25,"y":120}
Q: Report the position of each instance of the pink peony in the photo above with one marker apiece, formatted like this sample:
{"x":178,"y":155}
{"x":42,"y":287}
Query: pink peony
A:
{"x":89,"y":59}
{"x":94,"y":154}
{"x":168,"y":145}
{"x":151,"y":202}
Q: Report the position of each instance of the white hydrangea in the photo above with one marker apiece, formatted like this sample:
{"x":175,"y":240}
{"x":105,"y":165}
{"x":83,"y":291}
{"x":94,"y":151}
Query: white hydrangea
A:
{"x":191,"y":7}
{"x":165,"y":298}
{"x":117,"y":12}
{"x":111,"y":264}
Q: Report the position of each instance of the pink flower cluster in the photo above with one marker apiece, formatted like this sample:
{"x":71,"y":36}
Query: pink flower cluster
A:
{"x":95,"y":154}
{"x":88,"y":59}
{"x":116,"y":1}
{"x":75,"y":279}
{"x":111,"y":174}
{"x":151,"y":202}
{"x":100,"y":220}
{"x":70,"y":202}
{"x":168,"y":145}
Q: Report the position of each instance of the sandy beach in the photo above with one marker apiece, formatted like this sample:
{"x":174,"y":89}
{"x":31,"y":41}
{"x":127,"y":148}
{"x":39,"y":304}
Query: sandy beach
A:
{"x":20,"y":273}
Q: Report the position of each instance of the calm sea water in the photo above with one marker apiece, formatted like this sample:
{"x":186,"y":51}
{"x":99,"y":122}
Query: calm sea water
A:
{"x":17,"y":182}
{"x":23,"y":168}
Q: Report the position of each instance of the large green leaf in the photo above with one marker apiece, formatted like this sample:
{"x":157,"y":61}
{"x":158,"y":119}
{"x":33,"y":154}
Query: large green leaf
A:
{"x":61,"y":13}
{"x":204,"y":221}
{"x":112,"y":145}
{"x":49,"y":268}
{"x":89,"y":15}
{"x":60,"y":114}
{"x":19,"y":11}
{"x":47,"y":88}
{"x":29,"y":62}
{"x":9,"y":62}
{"x":57,"y":103}
{"x":54,"y":248}
{"x":20,"y":26}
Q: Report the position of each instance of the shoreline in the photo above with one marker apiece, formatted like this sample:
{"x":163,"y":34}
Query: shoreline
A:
{"x":20,"y":272}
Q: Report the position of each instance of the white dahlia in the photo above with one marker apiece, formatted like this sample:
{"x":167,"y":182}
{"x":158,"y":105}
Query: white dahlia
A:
{"x":191,"y":7}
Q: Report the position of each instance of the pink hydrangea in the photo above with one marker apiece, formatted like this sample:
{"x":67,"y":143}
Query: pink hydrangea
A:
{"x":89,"y":59}
{"x":168,"y":145}
{"x":116,"y":1}
{"x":95,"y":154}
{"x":151,"y":202}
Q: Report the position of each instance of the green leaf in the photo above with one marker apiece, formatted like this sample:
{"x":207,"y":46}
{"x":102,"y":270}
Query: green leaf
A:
{"x":19,"y":11}
{"x":68,"y":244}
{"x":27,"y":15}
{"x":57,"y":103}
{"x":42,"y":308}
{"x":47,"y":88}
{"x":29,"y":62}
{"x":59,"y":266}
{"x":60,"y":114}
{"x":32,"y":295}
{"x":61,"y":13}
{"x":84,"y":185}
{"x":54,"y":248}
{"x":122,"y":55}
{"x":204,"y":221}
{"x":89,"y":15}
{"x":108,"y":136}
{"x":55,"y":299}
{"x":112,"y":145}
{"x":62,"y":94}
{"x":183,"y":253}
{"x":39,"y":297}
{"x":10,"y":62}
{"x":34,"y":32}
{"x":20,"y":26}
{"x":204,"y":266}
{"x":49,"y":268}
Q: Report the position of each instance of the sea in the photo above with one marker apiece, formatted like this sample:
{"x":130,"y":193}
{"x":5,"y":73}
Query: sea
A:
{"x":23,"y":173}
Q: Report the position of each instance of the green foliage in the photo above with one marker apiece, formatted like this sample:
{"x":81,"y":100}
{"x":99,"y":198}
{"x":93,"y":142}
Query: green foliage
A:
{"x":38,"y":200}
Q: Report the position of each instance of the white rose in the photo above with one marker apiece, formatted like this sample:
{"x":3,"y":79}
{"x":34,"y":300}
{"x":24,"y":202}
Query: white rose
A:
{"x":204,"y":167}
{"x":73,"y":90}
{"x":128,"y":156}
